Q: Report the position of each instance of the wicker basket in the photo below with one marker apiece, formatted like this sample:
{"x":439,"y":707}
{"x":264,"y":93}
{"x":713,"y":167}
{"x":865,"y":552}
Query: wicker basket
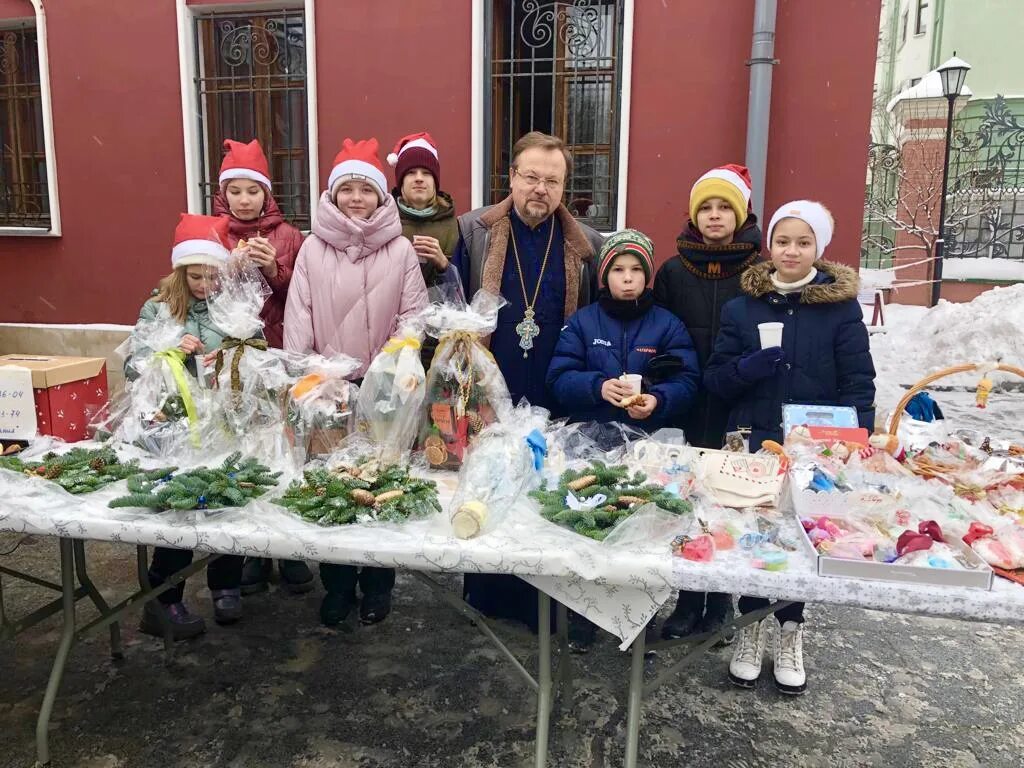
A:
{"x":982,"y":368}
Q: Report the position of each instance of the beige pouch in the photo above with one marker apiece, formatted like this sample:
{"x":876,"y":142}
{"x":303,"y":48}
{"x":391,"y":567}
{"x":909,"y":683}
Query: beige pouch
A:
{"x":741,"y":479}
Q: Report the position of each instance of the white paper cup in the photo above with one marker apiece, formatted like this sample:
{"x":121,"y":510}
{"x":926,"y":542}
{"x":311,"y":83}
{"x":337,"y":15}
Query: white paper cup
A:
{"x":771,"y":334}
{"x":634,"y":380}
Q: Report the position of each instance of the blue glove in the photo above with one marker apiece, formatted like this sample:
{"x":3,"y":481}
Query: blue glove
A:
{"x":759,"y":365}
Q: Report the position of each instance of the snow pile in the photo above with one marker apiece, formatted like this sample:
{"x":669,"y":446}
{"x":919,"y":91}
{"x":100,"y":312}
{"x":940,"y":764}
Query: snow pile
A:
{"x":919,"y":341}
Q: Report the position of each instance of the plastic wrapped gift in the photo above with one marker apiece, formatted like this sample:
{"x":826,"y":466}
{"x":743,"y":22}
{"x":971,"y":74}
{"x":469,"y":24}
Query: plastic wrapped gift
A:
{"x":243,"y":363}
{"x":391,"y":396}
{"x":164,"y":409}
{"x":465,"y":390}
{"x":504,"y":462}
{"x":321,"y":403}
{"x":251,"y":380}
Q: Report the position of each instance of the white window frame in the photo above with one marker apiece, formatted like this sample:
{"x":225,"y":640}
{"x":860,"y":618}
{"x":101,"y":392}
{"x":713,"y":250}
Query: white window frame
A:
{"x":187,"y":56}
{"x":477,"y":116}
{"x":42,"y":49}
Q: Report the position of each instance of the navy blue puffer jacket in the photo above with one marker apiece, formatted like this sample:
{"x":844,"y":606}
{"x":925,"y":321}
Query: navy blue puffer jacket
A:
{"x":594,"y":347}
{"x":826,"y":354}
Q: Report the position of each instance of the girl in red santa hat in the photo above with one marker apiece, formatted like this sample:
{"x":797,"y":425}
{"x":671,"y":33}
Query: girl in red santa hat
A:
{"x":356,"y":278}
{"x":198,"y":253}
{"x":256,"y":228}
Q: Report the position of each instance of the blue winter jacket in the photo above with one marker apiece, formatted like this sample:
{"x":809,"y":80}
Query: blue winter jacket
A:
{"x":826,"y":355}
{"x":594,"y":347}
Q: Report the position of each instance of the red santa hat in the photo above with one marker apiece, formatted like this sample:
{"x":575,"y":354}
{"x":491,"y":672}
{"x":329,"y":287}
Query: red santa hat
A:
{"x":200,"y":240}
{"x":730,"y":182}
{"x":358,"y":160}
{"x":417,"y":150}
{"x":244,"y":161}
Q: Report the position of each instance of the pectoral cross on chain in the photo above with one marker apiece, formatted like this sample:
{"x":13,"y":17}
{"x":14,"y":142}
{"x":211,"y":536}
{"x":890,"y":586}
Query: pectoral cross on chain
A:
{"x":528,"y":330}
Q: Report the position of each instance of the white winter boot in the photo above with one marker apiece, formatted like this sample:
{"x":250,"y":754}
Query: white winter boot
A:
{"x":789,"y":658}
{"x":745,"y":667}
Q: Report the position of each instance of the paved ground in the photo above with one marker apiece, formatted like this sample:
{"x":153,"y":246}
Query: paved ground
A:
{"x":425,"y":690}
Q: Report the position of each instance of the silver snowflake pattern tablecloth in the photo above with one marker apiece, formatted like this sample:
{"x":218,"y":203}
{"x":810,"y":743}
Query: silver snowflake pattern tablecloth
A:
{"x":618,"y":588}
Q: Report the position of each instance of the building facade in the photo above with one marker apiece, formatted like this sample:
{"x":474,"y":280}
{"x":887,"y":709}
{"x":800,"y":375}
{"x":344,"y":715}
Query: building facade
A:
{"x":113,"y":113}
{"x":984,"y":225}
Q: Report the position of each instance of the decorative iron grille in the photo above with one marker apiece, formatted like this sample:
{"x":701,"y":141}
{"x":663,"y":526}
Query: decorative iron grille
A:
{"x":251,"y":83}
{"x":985,"y":195}
{"x":555,"y":66}
{"x":24,"y":192}
{"x":986,"y":172}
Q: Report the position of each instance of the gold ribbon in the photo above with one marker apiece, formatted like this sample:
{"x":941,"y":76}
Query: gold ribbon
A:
{"x":239,"y":346}
{"x":175,"y":360}
{"x":466,"y":338}
{"x":396,"y":345}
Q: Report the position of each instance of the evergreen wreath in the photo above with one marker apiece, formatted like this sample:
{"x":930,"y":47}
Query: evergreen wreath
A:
{"x":341,"y":496}
{"x":233,"y":484}
{"x":82,"y":470}
{"x":623,"y":495}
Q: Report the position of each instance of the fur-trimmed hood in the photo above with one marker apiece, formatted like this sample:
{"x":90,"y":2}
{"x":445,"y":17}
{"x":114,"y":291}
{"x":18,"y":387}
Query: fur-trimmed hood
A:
{"x":833,"y":284}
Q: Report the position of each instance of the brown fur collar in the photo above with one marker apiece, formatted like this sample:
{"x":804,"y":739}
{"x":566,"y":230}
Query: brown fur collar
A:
{"x":577,"y":250}
{"x":757,"y":281}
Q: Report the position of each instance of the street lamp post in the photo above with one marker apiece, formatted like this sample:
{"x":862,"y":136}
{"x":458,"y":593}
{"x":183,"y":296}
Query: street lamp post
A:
{"x":952,"y":75}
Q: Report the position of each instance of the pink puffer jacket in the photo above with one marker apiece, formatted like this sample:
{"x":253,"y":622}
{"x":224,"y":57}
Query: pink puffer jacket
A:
{"x":354,"y":280}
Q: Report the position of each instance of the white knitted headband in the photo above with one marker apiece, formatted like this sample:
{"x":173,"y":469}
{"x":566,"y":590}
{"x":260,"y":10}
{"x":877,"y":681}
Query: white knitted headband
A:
{"x":811,"y":213}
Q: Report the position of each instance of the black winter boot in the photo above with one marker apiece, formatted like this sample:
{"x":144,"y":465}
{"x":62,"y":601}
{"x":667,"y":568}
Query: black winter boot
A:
{"x":686,"y":617}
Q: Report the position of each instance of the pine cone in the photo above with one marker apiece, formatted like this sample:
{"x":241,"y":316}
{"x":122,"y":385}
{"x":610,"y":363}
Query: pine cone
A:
{"x":97,"y":464}
{"x":583,"y":482}
{"x":388,"y":496}
{"x":53,"y":472}
{"x":321,"y":491}
{"x":362,"y":497}
{"x":476,"y":422}
{"x":629,"y":501}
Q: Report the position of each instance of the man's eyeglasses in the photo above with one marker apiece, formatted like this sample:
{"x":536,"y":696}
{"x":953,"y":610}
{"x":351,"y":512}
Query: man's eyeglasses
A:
{"x":533,"y":180}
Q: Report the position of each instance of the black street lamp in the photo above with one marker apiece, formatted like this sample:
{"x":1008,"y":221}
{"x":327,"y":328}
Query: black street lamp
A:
{"x":952,"y":75}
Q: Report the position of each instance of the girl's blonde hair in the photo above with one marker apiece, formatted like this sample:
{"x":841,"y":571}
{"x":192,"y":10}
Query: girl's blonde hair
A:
{"x":174,"y":291}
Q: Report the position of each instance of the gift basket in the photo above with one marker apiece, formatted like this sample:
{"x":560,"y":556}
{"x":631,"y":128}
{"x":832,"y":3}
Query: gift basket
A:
{"x":388,"y":412}
{"x":465,"y":390}
{"x":321,"y":403}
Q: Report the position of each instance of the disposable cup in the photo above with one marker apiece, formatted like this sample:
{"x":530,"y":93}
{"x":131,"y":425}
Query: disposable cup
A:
{"x":634,"y":380}
{"x":771,"y":334}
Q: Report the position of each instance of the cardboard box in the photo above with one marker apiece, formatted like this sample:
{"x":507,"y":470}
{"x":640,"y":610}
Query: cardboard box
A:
{"x":68,"y":391}
{"x":978,"y":578}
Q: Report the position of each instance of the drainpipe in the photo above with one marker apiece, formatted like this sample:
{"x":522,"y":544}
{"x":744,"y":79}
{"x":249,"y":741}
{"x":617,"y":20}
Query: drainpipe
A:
{"x":762,"y":60}
{"x":937,"y":24}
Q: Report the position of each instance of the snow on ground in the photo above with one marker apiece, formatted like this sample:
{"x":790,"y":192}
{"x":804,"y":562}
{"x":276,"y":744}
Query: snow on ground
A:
{"x":982,"y":269}
{"x":919,"y":341}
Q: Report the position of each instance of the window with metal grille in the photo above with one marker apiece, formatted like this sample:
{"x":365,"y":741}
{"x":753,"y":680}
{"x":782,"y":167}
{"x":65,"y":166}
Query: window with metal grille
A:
{"x":24,"y":195}
{"x":555,"y":66}
{"x":251,"y":83}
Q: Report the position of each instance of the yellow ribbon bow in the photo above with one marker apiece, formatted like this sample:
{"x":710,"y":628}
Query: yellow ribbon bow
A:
{"x":396,"y":345}
{"x":175,"y":360}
